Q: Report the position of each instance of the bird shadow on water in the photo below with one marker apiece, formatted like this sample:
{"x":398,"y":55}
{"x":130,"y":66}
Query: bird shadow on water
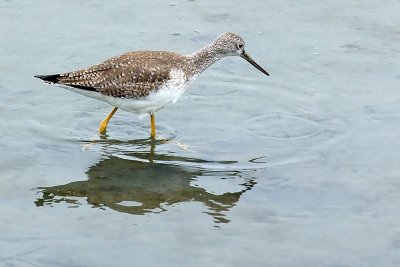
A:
{"x":141,"y":181}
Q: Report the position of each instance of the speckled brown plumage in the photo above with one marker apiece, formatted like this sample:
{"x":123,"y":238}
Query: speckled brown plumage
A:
{"x":137,"y":74}
{"x":131,"y":75}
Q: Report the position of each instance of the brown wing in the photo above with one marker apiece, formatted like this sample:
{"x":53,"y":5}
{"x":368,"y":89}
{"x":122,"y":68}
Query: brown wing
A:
{"x":133,"y":74}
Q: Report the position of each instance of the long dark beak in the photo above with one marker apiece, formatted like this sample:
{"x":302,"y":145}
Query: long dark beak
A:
{"x":252,"y":62}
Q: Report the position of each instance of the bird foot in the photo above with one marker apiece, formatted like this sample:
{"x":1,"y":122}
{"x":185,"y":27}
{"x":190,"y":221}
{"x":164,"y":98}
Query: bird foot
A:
{"x":184,"y":146}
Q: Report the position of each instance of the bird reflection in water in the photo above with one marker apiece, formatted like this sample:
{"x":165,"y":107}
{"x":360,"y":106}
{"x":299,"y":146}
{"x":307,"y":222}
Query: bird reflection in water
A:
{"x":145,"y":182}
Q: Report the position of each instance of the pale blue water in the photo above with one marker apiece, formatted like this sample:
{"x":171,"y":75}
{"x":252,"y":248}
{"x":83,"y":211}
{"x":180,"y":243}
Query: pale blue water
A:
{"x":297,"y":169}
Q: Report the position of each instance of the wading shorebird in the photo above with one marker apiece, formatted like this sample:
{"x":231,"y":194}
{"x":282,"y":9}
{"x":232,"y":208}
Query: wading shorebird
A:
{"x":146,"y":81}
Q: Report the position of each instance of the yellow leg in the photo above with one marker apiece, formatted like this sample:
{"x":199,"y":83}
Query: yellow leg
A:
{"x":104,"y":123}
{"x":153,"y":125}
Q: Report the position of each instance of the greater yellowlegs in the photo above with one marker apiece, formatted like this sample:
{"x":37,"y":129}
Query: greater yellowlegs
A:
{"x":146,"y":81}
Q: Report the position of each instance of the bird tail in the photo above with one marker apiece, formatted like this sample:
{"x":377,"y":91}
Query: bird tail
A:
{"x":54,"y":78}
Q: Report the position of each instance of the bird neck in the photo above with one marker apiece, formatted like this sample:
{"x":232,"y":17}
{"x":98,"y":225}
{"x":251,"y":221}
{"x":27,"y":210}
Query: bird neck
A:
{"x":203,"y":58}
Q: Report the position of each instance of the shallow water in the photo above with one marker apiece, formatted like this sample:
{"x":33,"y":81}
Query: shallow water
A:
{"x":297,"y":169}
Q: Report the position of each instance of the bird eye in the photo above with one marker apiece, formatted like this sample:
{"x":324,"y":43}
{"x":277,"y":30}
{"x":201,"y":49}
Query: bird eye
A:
{"x":240,"y":46}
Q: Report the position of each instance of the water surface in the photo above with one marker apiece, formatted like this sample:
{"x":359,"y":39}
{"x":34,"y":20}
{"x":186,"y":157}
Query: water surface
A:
{"x":297,"y":169}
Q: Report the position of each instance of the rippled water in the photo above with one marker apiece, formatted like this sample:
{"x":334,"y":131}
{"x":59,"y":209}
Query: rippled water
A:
{"x":297,"y":169}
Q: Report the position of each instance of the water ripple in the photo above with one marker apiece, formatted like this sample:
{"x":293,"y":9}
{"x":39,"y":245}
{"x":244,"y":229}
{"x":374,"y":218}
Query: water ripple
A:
{"x":284,"y":126}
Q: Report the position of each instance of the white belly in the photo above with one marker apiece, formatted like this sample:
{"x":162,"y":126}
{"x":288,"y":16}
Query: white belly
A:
{"x":167,"y":94}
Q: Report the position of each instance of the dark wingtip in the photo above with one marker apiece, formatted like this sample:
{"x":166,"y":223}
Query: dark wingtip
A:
{"x":49,"y":78}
